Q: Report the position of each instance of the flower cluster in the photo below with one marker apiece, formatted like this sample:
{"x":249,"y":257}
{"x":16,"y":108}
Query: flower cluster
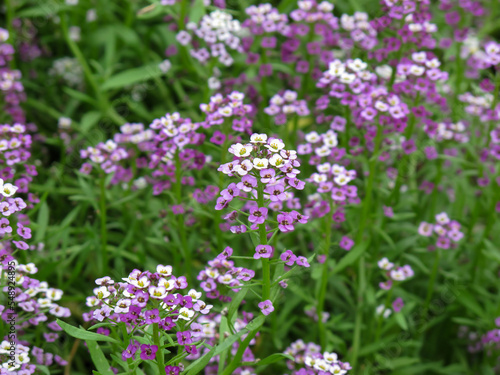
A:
{"x":38,"y":301}
{"x":219,"y":31}
{"x":68,"y":70}
{"x":208,"y":328}
{"x":447,"y":231}
{"x":267,"y":172}
{"x":221,"y":275}
{"x":147,"y":298}
{"x":393,"y":274}
{"x":115,"y":155}
{"x":228,"y":109}
{"x":308,"y":360}
{"x":11,"y":89}
{"x":264,"y":18}
{"x":285,"y":105}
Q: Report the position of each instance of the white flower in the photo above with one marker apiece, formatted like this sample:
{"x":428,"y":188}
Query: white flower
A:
{"x":75,"y":33}
{"x":341,"y":179}
{"x":243,"y":168}
{"x":261,"y":163}
{"x":185,"y":313}
{"x":240,"y":150}
{"x":45,"y":302}
{"x":385,"y":264}
{"x":312,"y":137}
{"x":159,"y":292}
{"x":4,"y":35}
{"x":442,"y":218}
{"x":54,"y":294}
{"x":347,"y":78}
{"x":7,"y":190}
{"x":290,"y":96}
{"x":275,"y":145}
{"x":357,"y":65}
{"x":165,"y":66}
{"x":123,"y":305}
{"x":397,"y":275}
{"x":167,"y":284}
{"x":258,"y":138}
{"x":417,"y":70}
{"x":102,"y":292}
{"x":195,"y":296}
{"x":91,"y":15}
{"x":330,"y":357}
{"x":323,"y":168}
{"x":164,"y":270}
{"x":64,"y":123}
{"x":276,"y":160}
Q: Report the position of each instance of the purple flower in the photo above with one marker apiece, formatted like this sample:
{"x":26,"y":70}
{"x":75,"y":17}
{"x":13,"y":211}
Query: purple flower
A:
{"x":248,"y":183}
{"x":285,"y":222}
{"x":267,"y":175}
{"x":258,"y":215}
{"x":172,"y":370}
{"x":23,"y":231}
{"x":266,"y":307}
{"x":302,"y":261}
{"x":230,"y":192}
{"x":152,"y":316}
{"x":4,"y":226}
{"x":148,"y":351}
{"x":130,"y":351}
{"x":398,"y":304}
{"x":276,"y":192}
{"x":288,"y":257}
{"x":263,"y":251}
{"x":184,"y":338}
{"x":346,"y":243}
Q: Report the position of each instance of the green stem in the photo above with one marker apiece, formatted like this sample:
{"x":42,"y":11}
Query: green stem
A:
{"x":266,"y":271}
{"x":404,"y":164}
{"x":159,"y":353}
{"x":81,"y":59}
{"x":182,"y":14}
{"x":180,"y":218}
{"x":381,"y":317}
{"x":10,"y":27}
{"x":432,"y":281}
{"x":372,"y":166}
{"x":324,"y":278}
{"x":437,"y":181}
{"x":104,"y":232}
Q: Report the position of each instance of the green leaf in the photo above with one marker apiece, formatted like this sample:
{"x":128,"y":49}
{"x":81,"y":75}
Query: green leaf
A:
{"x":197,"y":11}
{"x":98,"y":358}
{"x":353,"y":255}
{"x":131,"y":76}
{"x":82,"y":334}
{"x":235,"y":303}
{"x":200,"y":363}
{"x":470,"y":303}
{"x":80,"y":96}
{"x":88,"y":121}
{"x":401,"y":320}
{"x":43,"y":222}
{"x":46,"y":10}
{"x":274,"y":358}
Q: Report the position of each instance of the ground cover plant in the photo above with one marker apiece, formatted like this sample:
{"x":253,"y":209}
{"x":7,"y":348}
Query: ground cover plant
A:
{"x":238,"y":187}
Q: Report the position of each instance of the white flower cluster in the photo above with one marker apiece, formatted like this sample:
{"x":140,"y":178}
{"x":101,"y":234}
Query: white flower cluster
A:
{"x":69,"y":70}
{"x":218,"y":30}
{"x":7,"y":190}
